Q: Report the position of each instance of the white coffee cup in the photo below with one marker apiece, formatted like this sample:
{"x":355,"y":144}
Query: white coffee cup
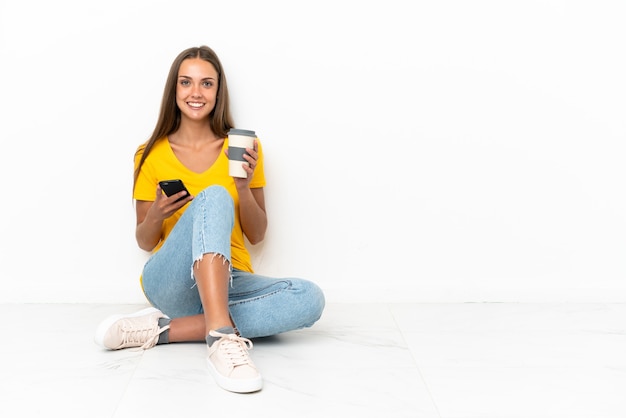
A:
{"x":238,"y":141}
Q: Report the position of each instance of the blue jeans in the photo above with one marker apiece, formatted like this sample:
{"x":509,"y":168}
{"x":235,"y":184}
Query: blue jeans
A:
{"x":259,"y":306}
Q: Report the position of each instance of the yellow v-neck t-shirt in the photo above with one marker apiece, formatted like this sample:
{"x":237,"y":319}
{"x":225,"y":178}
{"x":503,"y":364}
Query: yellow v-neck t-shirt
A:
{"x":162,"y":164}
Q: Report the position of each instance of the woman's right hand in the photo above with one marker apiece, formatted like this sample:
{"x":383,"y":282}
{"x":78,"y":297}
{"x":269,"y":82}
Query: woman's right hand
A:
{"x":150,"y":216}
{"x":165,"y":206}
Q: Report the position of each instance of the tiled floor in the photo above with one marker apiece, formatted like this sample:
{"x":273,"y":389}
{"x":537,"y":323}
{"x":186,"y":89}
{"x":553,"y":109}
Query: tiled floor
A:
{"x":359,"y":360}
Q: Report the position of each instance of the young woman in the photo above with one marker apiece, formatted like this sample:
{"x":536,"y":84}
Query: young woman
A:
{"x":199,"y":278}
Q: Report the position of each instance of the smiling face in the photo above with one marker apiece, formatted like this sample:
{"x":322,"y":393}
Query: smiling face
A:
{"x":196,"y":88}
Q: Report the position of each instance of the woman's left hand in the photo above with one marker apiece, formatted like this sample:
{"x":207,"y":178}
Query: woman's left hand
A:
{"x":251,"y":156}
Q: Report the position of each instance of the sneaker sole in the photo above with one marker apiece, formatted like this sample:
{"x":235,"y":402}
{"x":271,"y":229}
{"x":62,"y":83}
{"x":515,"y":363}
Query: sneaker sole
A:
{"x":235,"y":385}
{"x":106,"y":324}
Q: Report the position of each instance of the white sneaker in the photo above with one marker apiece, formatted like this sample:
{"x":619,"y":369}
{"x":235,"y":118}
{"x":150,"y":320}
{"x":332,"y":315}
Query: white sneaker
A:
{"x":140,"y":329}
{"x":230,"y":363}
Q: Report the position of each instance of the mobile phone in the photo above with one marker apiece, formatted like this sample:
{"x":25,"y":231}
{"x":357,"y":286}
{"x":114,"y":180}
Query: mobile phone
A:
{"x":171,"y":187}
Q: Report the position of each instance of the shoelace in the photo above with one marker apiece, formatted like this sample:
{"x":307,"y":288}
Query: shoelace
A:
{"x":234,"y":347}
{"x":147,"y":335}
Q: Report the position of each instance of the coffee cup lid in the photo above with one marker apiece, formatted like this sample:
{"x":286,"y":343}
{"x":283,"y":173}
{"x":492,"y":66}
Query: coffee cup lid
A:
{"x":244,"y":132}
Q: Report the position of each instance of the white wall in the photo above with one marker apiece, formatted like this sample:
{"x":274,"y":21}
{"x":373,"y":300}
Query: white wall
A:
{"x":415,"y":151}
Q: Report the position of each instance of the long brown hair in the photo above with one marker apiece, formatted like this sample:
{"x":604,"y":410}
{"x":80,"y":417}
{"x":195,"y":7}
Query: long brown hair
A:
{"x":220,"y":118}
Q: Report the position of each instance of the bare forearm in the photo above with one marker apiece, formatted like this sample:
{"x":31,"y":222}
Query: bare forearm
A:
{"x":252,"y":216}
{"x":148,"y":234}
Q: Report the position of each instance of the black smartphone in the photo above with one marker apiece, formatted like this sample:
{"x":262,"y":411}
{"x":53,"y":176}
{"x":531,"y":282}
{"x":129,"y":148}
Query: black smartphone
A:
{"x":171,"y":187}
